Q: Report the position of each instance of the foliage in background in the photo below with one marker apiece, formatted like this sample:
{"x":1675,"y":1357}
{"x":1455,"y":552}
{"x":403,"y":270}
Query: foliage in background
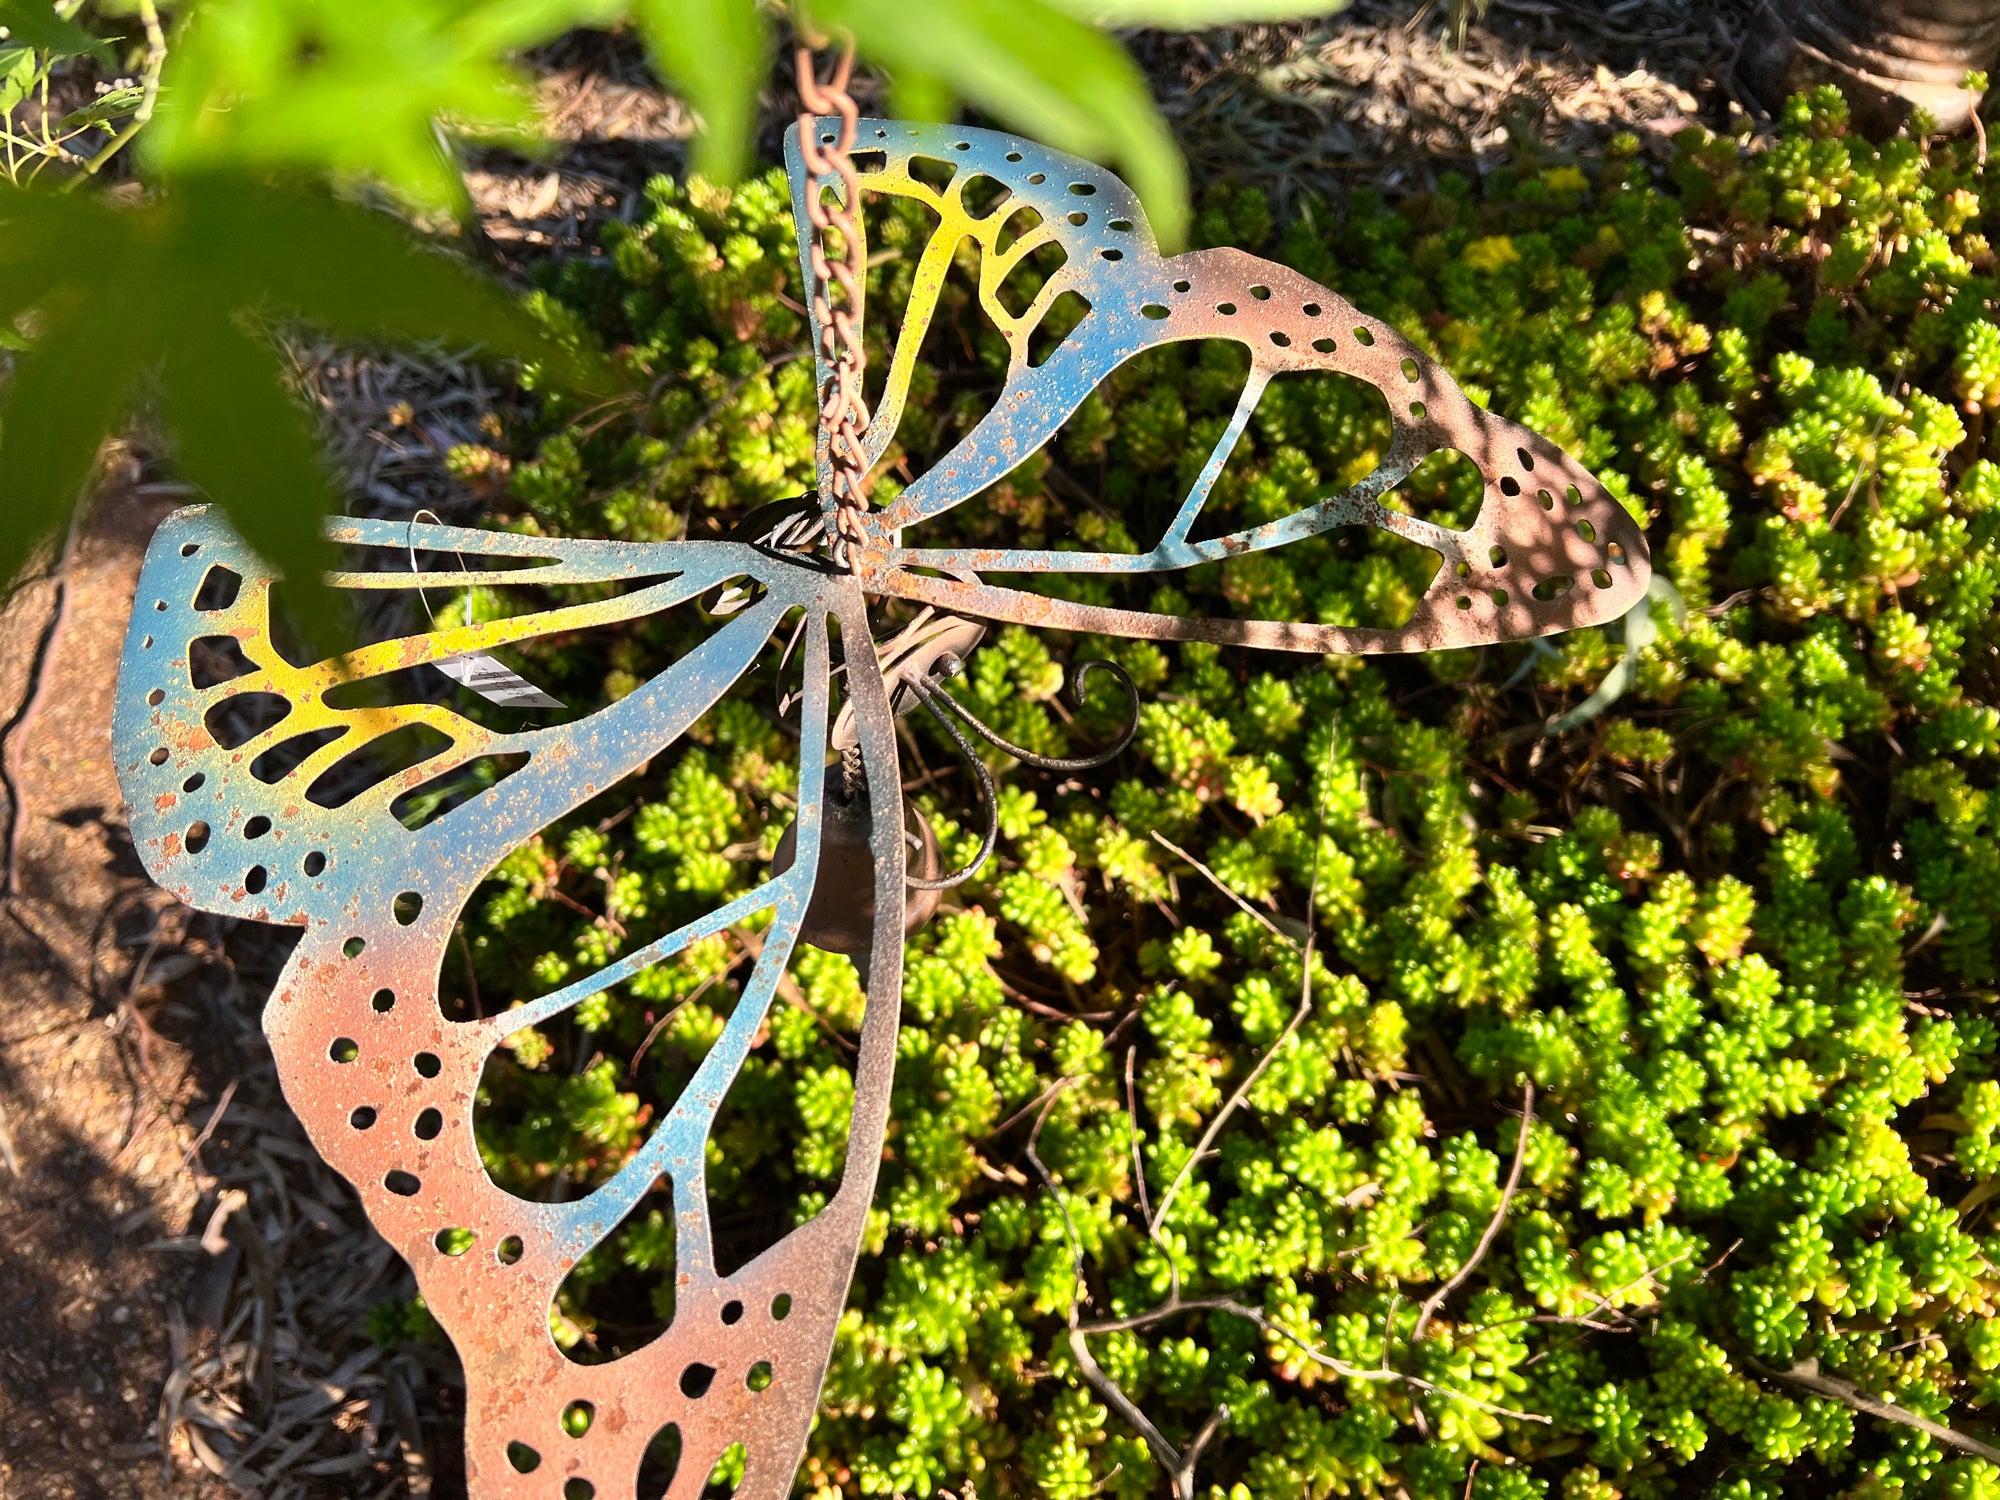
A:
{"x":1739,"y":933}
{"x":255,"y":97}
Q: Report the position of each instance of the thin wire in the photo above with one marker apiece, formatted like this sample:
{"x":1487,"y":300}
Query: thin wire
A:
{"x":929,"y":696}
{"x":409,"y":541}
{"x":1049,"y":762}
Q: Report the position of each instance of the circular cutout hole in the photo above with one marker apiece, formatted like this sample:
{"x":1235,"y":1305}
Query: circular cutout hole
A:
{"x":1462,"y":568}
{"x":1615,"y":552}
{"x":732,"y":1311}
{"x":1601,"y":578}
{"x":578,"y":1489}
{"x":780,"y":1306}
{"x":576,"y":1418}
{"x":1111,"y":254}
{"x":1587,"y":531}
{"x":1500,"y":597}
{"x":1509,"y":485}
{"x":1153,"y":311}
{"x":407,"y":907}
{"x":314,"y":864}
{"x":524,"y":1459}
{"x":1527,"y":458}
{"x":1418,"y":410}
{"x":1410,"y":371}
{"x":384,"y":1002}
{"x":1463,"y":602}
{"x":257,"y":827}
{"x":427,"y":1063}
{"x":1261,"y":293}
{"x":1575,"y":495}
{"x":1123,"y":226}
{"x":196,"y":838}
{"x":508,"y":1251}
{"x":961,"y":145}
{"x":1311,"y":309}
{"x":1036,"y":179}
{"x":1079,"y":219}
{"x":362,"y":1118}
{"x":1227,"y":309}
{"x":402,"y":1184}
{"x":1553,"y":588}
{"x":155,"y":698}
{"x":1325,"y":346}
{"x":1011,"y":155}
{"x":696,"y":1379}
{"x":147,"y":643}
{"x":160,"y":605}
{"x":453,"y":1241}
{"x":1083,"y":189}
{"x":1497,"y":555}
{"x":344,"y":1049}
{"x":194,"y":783}
{"x":1364,"y":336}
{"x":1182,"y":286}
{"x":1282,"y":340}
{"x":255,"y":879}
{"x":353,"y":946}
{"x":429,"y":1125}
{"x":159,"y":756}
{"x":759,"y":1377}
{"x":1548,"y":500}
{"x":190,"y":549}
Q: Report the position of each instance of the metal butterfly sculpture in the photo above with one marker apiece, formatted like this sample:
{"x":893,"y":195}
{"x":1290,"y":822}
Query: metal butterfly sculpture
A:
{"x":384,"y":1083}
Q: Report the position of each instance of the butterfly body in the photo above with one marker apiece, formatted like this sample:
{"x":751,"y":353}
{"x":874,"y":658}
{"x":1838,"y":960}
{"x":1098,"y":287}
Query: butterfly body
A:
{"x":248,"y":795}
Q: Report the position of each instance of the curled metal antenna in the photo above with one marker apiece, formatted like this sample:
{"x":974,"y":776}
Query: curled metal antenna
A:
{"x":929,"y":696}
{"x":1028,"y":757}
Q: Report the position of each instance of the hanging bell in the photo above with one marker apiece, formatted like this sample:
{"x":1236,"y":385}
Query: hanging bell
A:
{"x":841,"y":915}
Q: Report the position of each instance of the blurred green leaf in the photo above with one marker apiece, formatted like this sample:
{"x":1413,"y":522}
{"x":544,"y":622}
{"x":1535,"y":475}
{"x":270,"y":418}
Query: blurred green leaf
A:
{"x":179,"y":289}
{"x":1039,"y":70}
{"x":35,"y":23}
{"x":17,"y":74}
{"x":715,"y":53}
{"x":284,"y":84}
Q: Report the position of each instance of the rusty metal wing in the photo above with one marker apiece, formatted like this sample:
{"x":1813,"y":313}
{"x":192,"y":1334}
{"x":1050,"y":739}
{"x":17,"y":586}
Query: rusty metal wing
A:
{"x":1548,"y":550}
{"x":227,"y":741}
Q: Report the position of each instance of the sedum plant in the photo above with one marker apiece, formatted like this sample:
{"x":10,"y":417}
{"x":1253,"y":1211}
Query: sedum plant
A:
{"x":1638,"y":1126}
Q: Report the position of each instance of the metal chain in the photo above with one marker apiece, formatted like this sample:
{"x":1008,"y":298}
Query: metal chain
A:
{"x":843,"y":415}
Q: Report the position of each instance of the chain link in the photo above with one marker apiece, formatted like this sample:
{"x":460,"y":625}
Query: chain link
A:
{"x":843,"y":415}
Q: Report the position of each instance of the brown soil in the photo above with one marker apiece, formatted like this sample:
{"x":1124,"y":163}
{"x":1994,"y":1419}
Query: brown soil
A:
{"x":184,"y":1284}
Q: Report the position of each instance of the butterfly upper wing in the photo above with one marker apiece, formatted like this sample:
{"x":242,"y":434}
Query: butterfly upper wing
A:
{"x":1545,"y":522}
{"x":363,"y":1051}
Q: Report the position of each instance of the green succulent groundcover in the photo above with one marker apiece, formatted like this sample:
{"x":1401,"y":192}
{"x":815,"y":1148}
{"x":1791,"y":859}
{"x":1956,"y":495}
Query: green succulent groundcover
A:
{"x":1736,"y":928}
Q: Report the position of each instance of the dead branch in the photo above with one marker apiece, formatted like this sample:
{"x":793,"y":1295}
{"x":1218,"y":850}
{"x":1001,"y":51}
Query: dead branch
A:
{"x":1806,"y":1376}
{"x":1457,"y":1279}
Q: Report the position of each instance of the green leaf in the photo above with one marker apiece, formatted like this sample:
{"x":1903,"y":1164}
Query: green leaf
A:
{"x":282,"y":84}
{"x":247,"y":445}
{"x":63,"y":400}
{"x":713,"y":51}
{"x":1041,"y":71}
{"x":169,"y":286}
{"x":36,"y":23}
{"x":17,"y":74}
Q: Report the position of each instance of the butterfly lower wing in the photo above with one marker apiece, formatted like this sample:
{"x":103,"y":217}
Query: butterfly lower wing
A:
{"x":1549,"y":550}
{"x":378,"y":902}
